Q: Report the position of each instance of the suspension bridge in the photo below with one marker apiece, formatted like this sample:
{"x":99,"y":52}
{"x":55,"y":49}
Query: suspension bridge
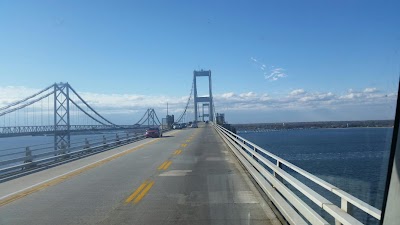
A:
{"x":60,"y":110}
{"x":205,"y":175}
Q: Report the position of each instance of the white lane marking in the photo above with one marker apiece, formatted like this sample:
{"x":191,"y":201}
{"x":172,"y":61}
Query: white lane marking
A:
{"x":217,"y":159}
{"x":239,"y":197}
{"x":175,"y":173}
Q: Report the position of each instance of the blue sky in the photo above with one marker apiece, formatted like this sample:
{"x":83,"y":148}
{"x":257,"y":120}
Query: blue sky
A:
{"x":329,"y":51}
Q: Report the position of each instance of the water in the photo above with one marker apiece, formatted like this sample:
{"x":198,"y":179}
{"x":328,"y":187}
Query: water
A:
{"x":14,"y":147}
{"x":353,"y":159}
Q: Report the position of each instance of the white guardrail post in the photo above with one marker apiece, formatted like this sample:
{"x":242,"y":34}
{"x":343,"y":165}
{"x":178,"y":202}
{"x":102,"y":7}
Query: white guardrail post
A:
{"x":278,"y":164}
{"x":117,"y":142}
{"x":63,"y":149}
{"x":87,"y":144}
{"x":249,"y":155}
{"x":343,"y":206}
{"x":104,"y":142}
{"x":28,"y":154}
{"x":28,"y":157}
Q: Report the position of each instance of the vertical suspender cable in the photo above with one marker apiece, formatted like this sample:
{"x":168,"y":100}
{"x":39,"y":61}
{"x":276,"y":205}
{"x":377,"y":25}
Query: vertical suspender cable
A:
{"x":48,"y":110}
{"x":33,"y":115}
{"x":41,"y":113}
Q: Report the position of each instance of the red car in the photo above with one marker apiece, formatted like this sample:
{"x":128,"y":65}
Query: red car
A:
{"x":153,"y":132}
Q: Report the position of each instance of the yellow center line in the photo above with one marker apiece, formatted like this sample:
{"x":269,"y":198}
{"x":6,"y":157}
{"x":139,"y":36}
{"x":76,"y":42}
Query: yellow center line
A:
{"x":58,"y":179}
{"x":162,"y":165}
{"x":188,"y":140}
{"x":177,"y":152}
{"x":167,"y":165}
{"x":183,"y":145}
{"x":138,"y":190}
{"x":144,"y":192}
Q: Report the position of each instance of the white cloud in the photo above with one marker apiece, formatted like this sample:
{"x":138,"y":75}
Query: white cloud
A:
{"x":228,"y":95}
{"x":275,"y":74}
{"x":272,"y":74}
{"x":318,"y":97}
{"x":263,"y":67}
{"x":370,"y":90}
{"x":248,"y":95}
{"x":351,"y":96}
{"x":297,"y":92}
{"x":11,"y":94}
{"x":298,"y":99}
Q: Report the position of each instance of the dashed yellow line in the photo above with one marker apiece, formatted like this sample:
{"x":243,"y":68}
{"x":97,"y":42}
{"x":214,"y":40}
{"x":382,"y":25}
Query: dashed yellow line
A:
{"x":177,"y":152}
{"x":51,"y":182}
{"x":162,"y":165}
{"x":165,"y":165}
{"x":144,"y":192}
{"x":188,"y":140}
{"x":140,"y":192}
{"x":183,"y":145}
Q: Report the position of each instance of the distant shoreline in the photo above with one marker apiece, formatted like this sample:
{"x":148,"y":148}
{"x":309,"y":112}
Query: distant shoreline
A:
{"x":339,"y":128}
{"x":315,"y":125}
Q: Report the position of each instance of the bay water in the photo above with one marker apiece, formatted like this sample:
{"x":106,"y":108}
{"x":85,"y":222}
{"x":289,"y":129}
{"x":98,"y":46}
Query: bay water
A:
{"x":353,"y":159}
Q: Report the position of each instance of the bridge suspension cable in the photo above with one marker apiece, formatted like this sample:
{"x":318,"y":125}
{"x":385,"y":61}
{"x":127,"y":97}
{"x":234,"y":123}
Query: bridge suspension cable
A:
{"x":80,"y":98}
{"x":187,"y":105}
{"x":150,"y":117}
{"x":24,"y":105}
{"x":27,"y":98}
{"x":56,"y":108}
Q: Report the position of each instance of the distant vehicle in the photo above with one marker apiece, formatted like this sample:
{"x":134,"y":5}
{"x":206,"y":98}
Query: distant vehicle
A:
{"x":194,"y":125}
{"x":153,"y":132}
{"x":176,"y":126}
{"x":183,"y":125}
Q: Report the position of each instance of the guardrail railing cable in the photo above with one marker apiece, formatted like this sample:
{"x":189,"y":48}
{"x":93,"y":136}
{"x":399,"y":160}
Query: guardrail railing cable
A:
{"x":274,"y":184}
{"x":31,"y":157}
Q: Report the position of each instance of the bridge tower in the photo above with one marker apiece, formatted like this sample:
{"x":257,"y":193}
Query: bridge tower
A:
{"x":205,"y":114}
{"x":151,"y":115}
{"x":62,"y":134}
{"x":208,"y":99}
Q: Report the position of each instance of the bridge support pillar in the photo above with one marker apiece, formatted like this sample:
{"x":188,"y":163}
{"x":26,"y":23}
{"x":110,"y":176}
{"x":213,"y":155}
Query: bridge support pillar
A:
{"x":197,"y":99}
{"x":62,"y":135}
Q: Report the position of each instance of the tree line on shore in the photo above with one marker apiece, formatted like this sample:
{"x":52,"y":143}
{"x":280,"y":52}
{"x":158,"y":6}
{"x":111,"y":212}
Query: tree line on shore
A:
{"x":314,"y":125}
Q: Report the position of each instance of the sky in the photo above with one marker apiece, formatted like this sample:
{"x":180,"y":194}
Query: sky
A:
{"x":271,"y":61}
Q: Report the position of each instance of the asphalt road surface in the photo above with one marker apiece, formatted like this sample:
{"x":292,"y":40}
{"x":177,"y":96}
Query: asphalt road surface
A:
{"x":187,"y":177}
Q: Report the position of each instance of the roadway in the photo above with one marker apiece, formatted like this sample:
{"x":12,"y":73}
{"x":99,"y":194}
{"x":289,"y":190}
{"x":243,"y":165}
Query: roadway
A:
{"x":187,"y":177}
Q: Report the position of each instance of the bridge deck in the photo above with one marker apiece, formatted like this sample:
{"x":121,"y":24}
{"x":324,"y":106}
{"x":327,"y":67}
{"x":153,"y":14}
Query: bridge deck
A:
{"x":187,"y":177}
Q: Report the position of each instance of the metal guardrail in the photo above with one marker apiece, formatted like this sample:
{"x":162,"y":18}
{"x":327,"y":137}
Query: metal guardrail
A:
{"x":14,"y":131}
{"x":292,"y":207}
{"x":30,"y":160}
